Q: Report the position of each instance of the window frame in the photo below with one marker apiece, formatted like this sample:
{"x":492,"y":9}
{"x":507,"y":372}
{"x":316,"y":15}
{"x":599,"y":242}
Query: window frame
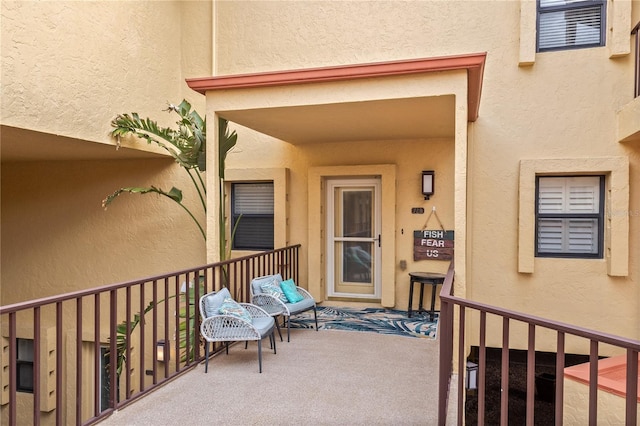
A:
{"x":21,"y":362}
{"x":540,"y":10}
{"x":600,"y":216}
{"x":235,"y":217}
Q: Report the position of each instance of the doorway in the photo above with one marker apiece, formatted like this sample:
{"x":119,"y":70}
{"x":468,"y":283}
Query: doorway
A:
{"x":353,"y":251}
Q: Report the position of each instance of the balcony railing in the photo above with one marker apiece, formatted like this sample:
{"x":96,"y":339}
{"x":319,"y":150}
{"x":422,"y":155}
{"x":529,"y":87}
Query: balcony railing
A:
{"x":72,"y":332}
{"x":562,"y":331}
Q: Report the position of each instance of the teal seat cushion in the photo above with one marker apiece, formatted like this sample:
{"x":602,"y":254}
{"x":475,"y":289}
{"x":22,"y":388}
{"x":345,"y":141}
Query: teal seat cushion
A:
{"x":213,"y":302}
{"x":233,"y":308}
{"x":290,"y":290}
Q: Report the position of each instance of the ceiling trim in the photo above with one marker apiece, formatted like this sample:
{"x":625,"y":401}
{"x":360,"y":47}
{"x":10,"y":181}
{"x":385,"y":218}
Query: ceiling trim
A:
{"x":472,"y":63}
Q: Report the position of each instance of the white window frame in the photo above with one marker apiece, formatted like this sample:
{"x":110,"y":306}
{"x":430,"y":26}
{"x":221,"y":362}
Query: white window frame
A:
{"x":562,"y":204}
{"x":549,"y":8}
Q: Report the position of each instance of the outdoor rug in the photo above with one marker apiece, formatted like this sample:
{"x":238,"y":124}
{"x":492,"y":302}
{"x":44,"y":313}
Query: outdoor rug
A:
{"x":377,"y":320}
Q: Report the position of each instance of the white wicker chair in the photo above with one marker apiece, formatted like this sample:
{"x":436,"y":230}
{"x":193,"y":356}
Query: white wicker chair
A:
{"x":270,"y":303}
{"x":216,"y":327}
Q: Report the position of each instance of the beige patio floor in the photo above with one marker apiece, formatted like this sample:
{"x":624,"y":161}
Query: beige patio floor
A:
{"x":325,"y":377}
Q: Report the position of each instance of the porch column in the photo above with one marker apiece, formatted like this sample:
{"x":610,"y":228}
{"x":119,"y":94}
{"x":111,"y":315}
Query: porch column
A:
{"x":214,"y":183}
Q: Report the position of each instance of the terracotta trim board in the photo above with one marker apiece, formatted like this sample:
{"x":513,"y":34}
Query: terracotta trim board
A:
{"x":473,"y":63}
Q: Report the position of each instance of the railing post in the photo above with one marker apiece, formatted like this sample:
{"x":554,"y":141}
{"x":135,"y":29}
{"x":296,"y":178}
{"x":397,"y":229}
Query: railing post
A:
{"x":59,"y":350}
{"x":36,"y":365}
{"x":13,"y":369}
{"x":593,"y":383}
{"x":632,"y":388}
{"x":113,"y":351}
{"x":79,"y":374}
{"x":446,"y":346}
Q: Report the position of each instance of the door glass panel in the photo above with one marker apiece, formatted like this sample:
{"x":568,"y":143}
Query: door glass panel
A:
{"x":356,"y":218}
{"x":353,"y":240}
{"x":357,"y":262}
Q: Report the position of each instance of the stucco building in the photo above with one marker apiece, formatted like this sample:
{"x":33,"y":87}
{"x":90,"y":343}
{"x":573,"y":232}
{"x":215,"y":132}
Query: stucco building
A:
{"x":527,"y":113}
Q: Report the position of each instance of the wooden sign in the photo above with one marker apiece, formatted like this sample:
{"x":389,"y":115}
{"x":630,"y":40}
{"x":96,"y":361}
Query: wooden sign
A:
{"x":433,"y":244}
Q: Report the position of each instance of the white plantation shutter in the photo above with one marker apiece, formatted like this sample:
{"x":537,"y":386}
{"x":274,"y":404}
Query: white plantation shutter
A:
{"x":570,"y":23}
{"x":568,"y":215}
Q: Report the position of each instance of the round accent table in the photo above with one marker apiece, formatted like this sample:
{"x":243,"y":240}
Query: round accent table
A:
{"x":425,"y":278}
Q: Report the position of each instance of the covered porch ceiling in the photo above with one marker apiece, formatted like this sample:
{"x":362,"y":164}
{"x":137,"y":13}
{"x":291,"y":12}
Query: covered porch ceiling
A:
{"x":391,"y":119}
{"x":419,"y":116}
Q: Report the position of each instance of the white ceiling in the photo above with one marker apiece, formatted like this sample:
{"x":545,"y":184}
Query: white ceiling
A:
{"x":392,"y":119}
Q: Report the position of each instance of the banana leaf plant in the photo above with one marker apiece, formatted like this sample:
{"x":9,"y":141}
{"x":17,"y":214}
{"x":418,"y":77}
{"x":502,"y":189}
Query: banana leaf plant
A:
{"x":187,"y":145}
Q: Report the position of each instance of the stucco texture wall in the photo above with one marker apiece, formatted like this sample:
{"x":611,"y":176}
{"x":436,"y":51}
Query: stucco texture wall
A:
{"x":67,"y":69}
{"x":56,"y":237}
{"x":611,"y":407}
{"x":562,"y":106}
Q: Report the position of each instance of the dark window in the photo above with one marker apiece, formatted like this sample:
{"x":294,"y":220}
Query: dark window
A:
{"x":570,"y":24}
{"x":252,"y":215}
{"x":24,"y":364}
{"x":569,"y":216}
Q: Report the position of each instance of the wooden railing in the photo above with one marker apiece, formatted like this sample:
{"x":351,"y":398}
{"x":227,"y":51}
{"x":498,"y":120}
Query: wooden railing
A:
{"x":75,"y":334}
{"x":562,"y":330}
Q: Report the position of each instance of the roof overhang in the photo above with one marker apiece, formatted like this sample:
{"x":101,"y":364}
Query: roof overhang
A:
{"x":409,"y":115}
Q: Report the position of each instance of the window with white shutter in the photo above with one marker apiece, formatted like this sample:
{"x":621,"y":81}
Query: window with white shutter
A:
{"x":570,"y":24}
{"x":252,"y":215}
{"x":569,"y":216}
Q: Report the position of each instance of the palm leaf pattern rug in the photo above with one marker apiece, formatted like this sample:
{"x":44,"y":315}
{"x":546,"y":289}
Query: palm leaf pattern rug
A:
{"x":377,"y":320}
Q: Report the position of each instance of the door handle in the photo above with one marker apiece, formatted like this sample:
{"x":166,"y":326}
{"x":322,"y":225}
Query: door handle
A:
{"x":379,"y":240}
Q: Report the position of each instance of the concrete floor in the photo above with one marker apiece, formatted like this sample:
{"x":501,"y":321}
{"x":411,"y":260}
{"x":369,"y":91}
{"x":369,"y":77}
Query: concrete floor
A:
{"x":325,"y":377}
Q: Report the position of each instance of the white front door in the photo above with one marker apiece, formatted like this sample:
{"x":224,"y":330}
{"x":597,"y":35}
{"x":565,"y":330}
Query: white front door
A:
{"x":353,"y":238}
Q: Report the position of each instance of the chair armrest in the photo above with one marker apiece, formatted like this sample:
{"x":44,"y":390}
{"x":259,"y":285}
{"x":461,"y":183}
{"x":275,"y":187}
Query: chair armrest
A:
{"x":305,"y":293}
{"x":224,"y":328}
{"x":254,"y":311}
{"x":267,"y":300}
